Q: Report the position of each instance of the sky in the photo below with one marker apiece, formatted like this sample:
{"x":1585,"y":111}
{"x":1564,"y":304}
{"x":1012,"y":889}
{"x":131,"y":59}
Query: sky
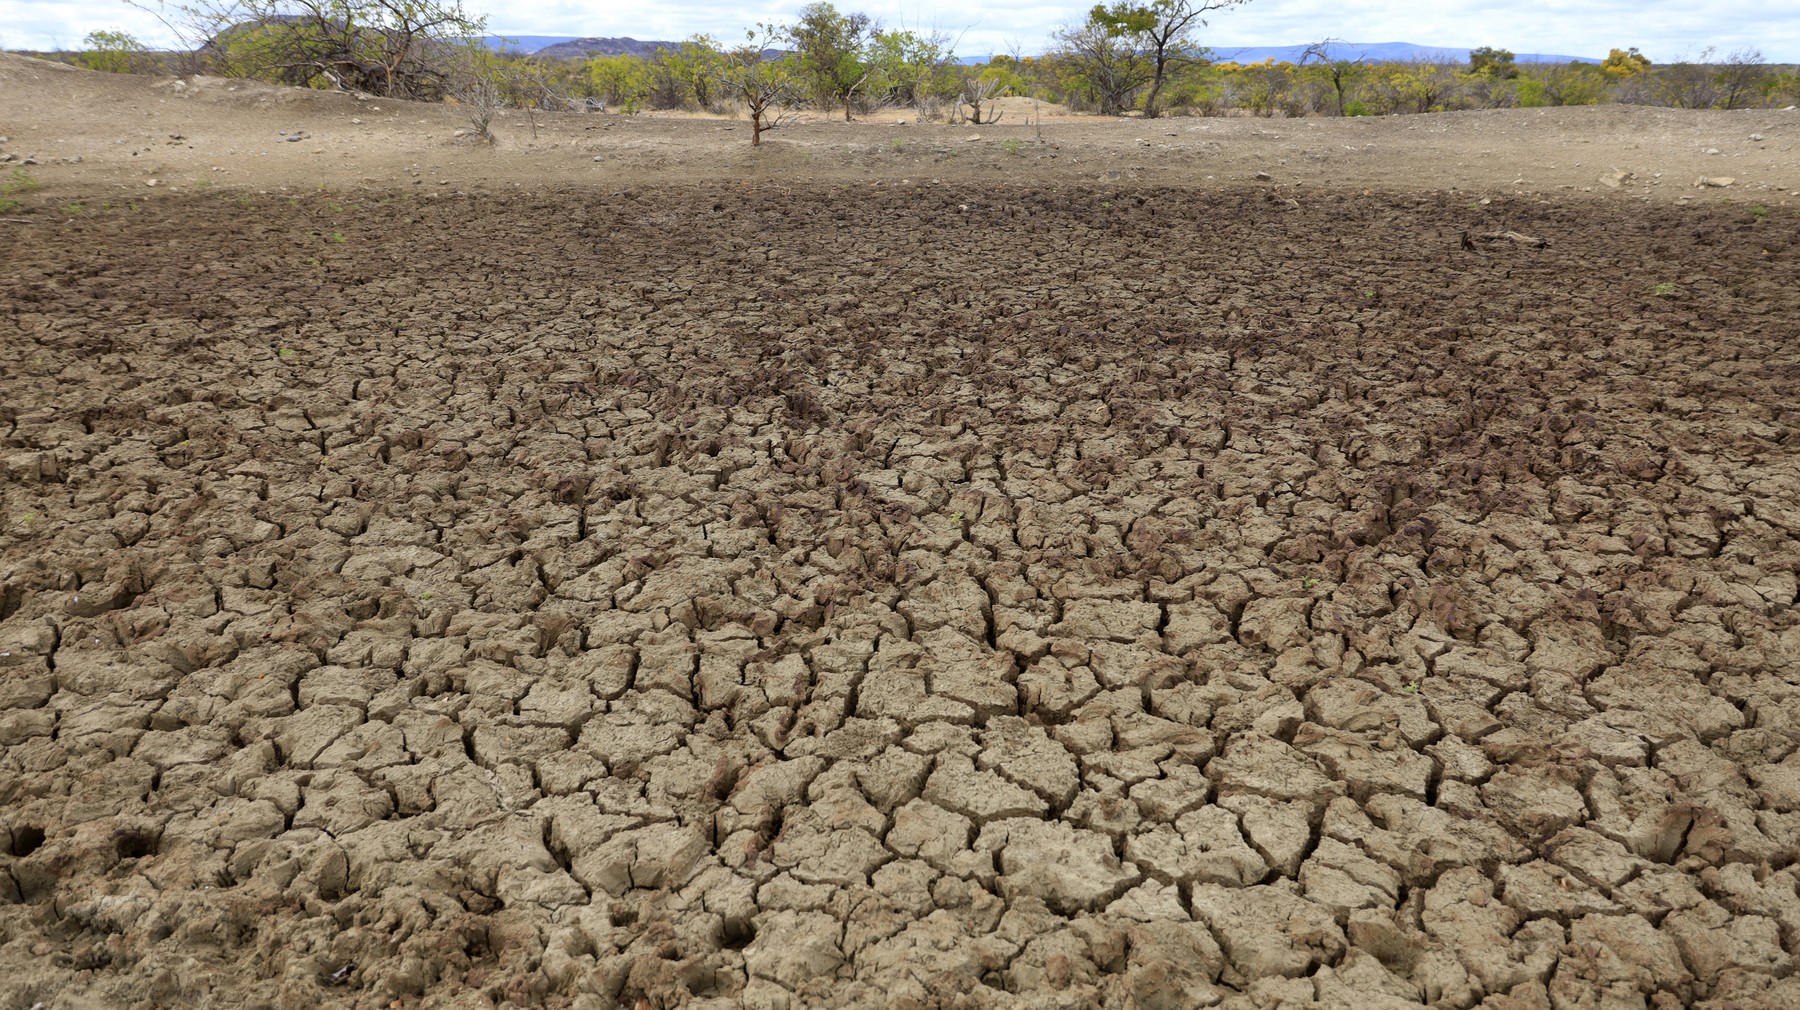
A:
{"x":1667,"y":31}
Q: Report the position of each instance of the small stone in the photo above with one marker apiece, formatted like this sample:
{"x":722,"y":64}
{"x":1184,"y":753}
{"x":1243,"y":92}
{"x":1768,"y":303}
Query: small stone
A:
{"x":1712,"y":150}
{"x":1713,"y":182}
{"x":1615,"y":178}
{"x":972,"y":137}
{"x":1262,"y":177}
{"x":152,"y":182}
{"x":1756,"y":136}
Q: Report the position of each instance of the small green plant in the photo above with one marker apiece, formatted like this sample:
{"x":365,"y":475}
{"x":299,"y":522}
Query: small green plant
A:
{"x":1012,"y":145}
{"x":74,"y":209}
{"x":337,"y":237}
{"x":899,"y":145}
{"x":426,"y":595}
{"x":1759,"y":212}
{"x":17,"y":182}
{"x":203,"y":185}
{"x":286,"y":352}
{"x":1412,"y":688}
{"x":245,"y":201}
{"x":1666,"y":289}
{"x":1308,"y":583}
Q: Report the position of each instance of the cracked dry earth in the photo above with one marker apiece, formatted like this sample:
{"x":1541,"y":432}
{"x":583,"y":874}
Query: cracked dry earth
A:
{"x":834,"y":597}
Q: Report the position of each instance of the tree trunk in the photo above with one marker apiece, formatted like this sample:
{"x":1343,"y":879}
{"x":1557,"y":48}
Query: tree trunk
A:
{"x":1150,"y":109}
{"x":847,"y":96}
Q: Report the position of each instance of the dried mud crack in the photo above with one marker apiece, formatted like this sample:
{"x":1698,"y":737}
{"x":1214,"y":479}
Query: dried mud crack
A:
{"x":864,"y":596}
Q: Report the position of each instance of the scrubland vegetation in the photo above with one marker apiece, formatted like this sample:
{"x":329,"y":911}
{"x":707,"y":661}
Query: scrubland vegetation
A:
{"x":1143,"y":59}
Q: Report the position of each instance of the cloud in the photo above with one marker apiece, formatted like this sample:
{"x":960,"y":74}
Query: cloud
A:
{"x":42,"y":25}
{"x":1666,"y":30}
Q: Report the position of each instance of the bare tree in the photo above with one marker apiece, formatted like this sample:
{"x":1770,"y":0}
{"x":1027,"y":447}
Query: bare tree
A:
{"x":394,"y":48}
{"x":1739,"y":79}
{"x":761,"y":77}
{"x":1107,"y":61}
{"x":1339,"y":72}
{"x":1164,"y":31}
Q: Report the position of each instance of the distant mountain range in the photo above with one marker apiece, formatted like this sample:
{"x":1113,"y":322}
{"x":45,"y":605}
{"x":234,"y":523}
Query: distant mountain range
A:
{"x":1377,"y":52}
{"x":571,"y":46}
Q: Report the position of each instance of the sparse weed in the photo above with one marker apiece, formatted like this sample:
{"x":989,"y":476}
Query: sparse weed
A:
{"x":1012,"y":145}
{"x":1759,"y":212}
{"x":1666,"y":289}
{"x":1412,"y":688}
{"x":18,"y":181}
{"x":74,"y":209}
{"x":337,"y":237}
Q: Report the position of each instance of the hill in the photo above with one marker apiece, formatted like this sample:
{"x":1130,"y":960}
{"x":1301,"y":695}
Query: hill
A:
{"x":567,"y":46}
{"x":1377,"y":52}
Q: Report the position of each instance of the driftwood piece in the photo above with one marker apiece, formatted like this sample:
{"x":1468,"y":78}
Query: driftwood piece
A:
{"x":1513,"y":236}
